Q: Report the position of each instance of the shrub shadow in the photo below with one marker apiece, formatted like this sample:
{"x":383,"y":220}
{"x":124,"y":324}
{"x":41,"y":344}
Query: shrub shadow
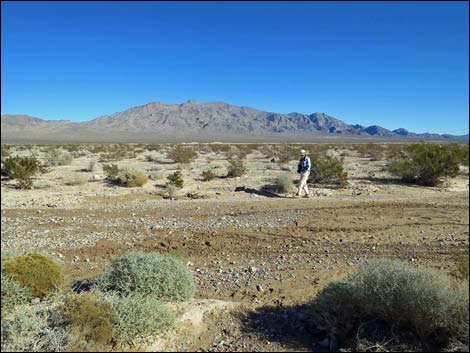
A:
{"x":287,"y":325}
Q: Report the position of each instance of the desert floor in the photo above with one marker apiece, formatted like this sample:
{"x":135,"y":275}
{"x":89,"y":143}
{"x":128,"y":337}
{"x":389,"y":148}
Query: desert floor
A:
{"x":265,"y":255}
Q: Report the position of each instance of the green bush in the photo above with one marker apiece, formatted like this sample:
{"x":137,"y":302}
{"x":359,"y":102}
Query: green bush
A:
{"x":236,"y":168}
{"x":328,"y":170}
{"x":31,"y":330}
{"x":164,"y":277}
{"x":132,"y":177}
{"x":111,"y":171}
{"x":460,"y":152}
{"x":57,"y":157}
{"x":22,"y":169}
{"x":138,"y":318}
{"x":176,"y":179}
{"x":38,"y":273}
{"x":89,"y":316}
{"x":425,"y":164}
{"x":423,"y":301}
{"x":13,"y":294}
{"x":208,"y":175}
{"x":181,"y":154}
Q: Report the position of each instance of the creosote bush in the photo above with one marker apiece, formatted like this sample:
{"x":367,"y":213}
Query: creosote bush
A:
{"x":89,"y":316}
{"x":181,"y":154}
{"x":22,"y":169}
{"x":131,"y":177}
{"x":38,"y":273}
{"x":328,"y":170}
{"x":164,"y":277}
{"x":425,"y":164}
{"x":138,"y":318}
{"x":111,"y":171}
{"x":236,"y":168}
{"x":424,"y":301}
{"x":208,"y":175}
{"x":176,"y":179}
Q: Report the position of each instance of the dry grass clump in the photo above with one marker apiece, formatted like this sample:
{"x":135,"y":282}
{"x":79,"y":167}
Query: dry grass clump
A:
{"x":89,"y":317}
{"x":164,"y":277}
{"x":394,"y":297}
{"x":38,"y":273}
{"x":131,"y":177}
{"x":282,"y":184}
{"x":236,"y":168}
{"x":208,"y":175}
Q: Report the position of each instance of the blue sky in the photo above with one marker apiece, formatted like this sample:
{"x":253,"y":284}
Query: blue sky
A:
{"x":396,"y":64}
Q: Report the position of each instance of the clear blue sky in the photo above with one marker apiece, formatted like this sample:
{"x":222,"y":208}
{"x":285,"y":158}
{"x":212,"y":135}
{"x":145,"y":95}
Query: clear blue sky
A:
{"x":395,"y":64}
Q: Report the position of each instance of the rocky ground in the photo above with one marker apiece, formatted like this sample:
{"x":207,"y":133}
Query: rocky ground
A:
{"x":264,"y":254}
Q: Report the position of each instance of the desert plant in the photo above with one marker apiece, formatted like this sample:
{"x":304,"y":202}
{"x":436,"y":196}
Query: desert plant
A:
{"x":89,"y":316}
{"x":208,"y":175}
{"x":181,"y":154}
{"x":176,"y":179}
{"x":425,"y":164}
{"x":170,"y":191}
{"x":138,"y":318}
{"x":282,"y":184}
{"x":13,"y":294}
{"x":236,"y":168}
{"x":422,"y":300}
{"x":460,"y":152}
{"x":286,"y":153}
{"x":327,"y":170}
{"x":31,"y":330}
{"x":57,"y":157}
{"x":5,"y":152}
{"x":111,"y":171}
{"x":22,"y":169}
{"x":148,"y":273}
{"x":91,"y":166}
{"x":38,"y":273}
{"x":132,"y":177}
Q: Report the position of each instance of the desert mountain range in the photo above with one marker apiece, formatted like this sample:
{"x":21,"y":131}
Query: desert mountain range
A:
{"x":195,"y":121}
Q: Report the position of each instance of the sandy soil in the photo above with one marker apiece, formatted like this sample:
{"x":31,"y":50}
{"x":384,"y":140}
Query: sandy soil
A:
{"x":267,"y":254}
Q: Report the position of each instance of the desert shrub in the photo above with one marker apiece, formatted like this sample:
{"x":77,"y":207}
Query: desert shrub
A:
{"x":170,"y":191}
{"x":218,"y":147}
{"x":131,"y":177}
{"x":425,"y":164}
{"x":5,"y":152}
{"x":31,"y":330}
{"x":148,"y":273}
{"x":460,"y":152}
{"x":282,"y":184}
{"x":91,"y":166}
{"x":22,"y":169}
{"x":138,"y":318}
{"x":36,"y":272}
{"x":460,"y":261}
{"x":111,"y":171}
{"x":151,"y":158}
{"x":403,"y":297}
{"x":286,"y":153}
{"x":208,"y":175}
{"x":236,"y":168}
{"x":13,"y":294}
{"x":76,"y":180}
{"x":89,"y":317}
{"x":181,"y":154}
{"x":57,"y":157}
{"x":328,"y":170}
{"x":373,"y":151}
{"x":176,"y":179}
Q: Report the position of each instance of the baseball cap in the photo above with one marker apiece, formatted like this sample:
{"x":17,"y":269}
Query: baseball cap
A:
{"x":302,"y":152}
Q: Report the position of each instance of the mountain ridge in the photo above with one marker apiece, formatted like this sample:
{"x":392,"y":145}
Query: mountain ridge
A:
{"x":195,"y":118}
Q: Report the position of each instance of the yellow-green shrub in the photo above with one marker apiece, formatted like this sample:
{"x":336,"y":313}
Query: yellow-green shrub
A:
{"x":38,"y":273}
{"x":132,"y":177}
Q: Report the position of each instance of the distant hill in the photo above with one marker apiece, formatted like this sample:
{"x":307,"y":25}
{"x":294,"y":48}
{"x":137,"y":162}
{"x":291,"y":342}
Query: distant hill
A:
{"x":195,"y":121}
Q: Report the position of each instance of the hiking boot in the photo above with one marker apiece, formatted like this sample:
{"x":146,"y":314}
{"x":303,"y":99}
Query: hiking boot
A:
{"x":306,"y":196}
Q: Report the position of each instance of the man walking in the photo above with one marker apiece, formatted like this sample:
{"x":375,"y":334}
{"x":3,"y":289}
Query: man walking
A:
{"x":303,"y":168}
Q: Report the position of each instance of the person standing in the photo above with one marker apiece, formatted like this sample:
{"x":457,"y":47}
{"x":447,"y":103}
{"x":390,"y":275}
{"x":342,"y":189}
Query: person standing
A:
{"x":303,"y":168}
